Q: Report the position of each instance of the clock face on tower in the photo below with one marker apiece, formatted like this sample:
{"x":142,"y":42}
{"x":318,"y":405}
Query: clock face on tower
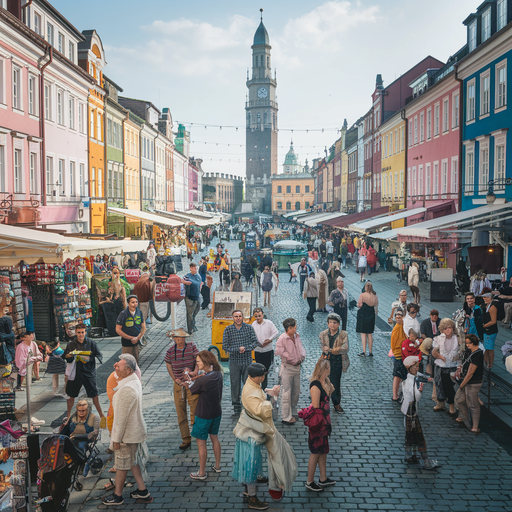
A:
{"x":262,"y":92}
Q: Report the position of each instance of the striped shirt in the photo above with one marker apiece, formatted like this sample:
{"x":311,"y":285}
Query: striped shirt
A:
{"x":179,"y":359}
{"x":235,"y":338}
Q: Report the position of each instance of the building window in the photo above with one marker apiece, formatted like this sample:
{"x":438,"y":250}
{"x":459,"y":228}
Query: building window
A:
{"x":435,"y":179}
{"x":471,"y":101}
{"x":307,"y":189}
{"x":470,"y":172}
{"x":502,"y":13}
{"x":61,"y":177}
{"x":427,"y":180}
{"x":18,"y":171}
{"x":472,"y":36}
{"x":71,"y":51}
{"x":446,"y":115}
{"x":32,"y":95}
{"x":81,"y":118}
{"x":485,"y":90}
{"x":455,"y":110}
{"x":288,"y":189}
{"x":422,"y":127}
{"x":81,"y":172}
{"x":2,"y":169}
{"x":288,"y":205}
{"x":484,"y":167}
{"x":33,"y":173}
{"x":72,"y":112}
{"x":420,"y":180}
{"x":60,"y":107}
{"x":49,"y":33}
{"x":279,"y":205}
{"x":61,"y":43}
{"x":429,"y":124}
{"x":486,"y":24}
{"x":92,"y":182}
{"x":99,"y":134}
{"x":455,"y":175}
{"x":416,"y":130}
{"x":297,"y":205}
{"x":499,"y":162}
{"x":16,"y":87}
{"x":259,"y":117}
{"x":410,"y":134}
{"x":297,"y":189}
{"x":436,"y":120}
{"x":37,"y":23}
{"x":72,"y":178}
{"x":501,"y":85}
{"x":47,"y":102}
{"x":100,"y":182}
{"x":49,"y":174}
{"x":402,"y":139}
{"x":279,"y":189}
{"x":444,"y":166}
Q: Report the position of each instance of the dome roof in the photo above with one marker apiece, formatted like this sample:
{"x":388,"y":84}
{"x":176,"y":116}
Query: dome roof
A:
{"x":261,"y":36}
{"x":291,"y":157}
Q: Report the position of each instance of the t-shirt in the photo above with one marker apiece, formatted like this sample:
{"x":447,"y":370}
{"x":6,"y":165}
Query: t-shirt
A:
{"x":193,"y":289}
{"x":209,"y":388}
{"x":476,"y":358}
{"x":183,"y":358}
{"x":130,"y":324}
{"x":202,"y":272}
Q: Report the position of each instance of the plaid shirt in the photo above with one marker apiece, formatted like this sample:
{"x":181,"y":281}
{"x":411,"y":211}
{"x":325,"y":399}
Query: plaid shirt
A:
{"x":235,"y":338}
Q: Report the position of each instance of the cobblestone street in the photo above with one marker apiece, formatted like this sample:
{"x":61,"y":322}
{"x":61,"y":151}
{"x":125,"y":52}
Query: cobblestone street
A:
{"x":366,"y":443}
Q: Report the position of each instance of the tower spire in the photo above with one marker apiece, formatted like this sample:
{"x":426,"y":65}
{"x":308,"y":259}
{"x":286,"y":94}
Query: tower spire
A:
{"x":261,"y":15}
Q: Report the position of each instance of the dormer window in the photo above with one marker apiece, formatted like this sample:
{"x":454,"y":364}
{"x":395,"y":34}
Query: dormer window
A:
{"x":472,"y":36}
{"x":502,"y":14}
{"x":486,"y":24}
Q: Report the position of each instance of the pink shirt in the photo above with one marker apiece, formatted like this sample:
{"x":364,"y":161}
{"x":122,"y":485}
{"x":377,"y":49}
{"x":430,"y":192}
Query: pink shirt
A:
{"x":291,"y":350}
{"x":22,"y":351}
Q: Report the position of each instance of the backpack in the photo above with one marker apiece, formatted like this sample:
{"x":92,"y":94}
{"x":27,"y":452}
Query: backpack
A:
{"x":170,"y":290}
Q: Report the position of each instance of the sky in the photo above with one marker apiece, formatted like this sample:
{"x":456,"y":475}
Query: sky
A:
{"x":193,"y":57}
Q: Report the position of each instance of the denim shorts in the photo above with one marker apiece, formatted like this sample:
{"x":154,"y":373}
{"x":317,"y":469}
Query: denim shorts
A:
{"x":489,"y":340}
{"x":203,"y":427}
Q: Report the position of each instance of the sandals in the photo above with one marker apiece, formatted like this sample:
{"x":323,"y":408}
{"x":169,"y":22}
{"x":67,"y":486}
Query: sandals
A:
{"x":289,"y":422}
{"x":197,"y":476}
{"x":216,"y":469}
{"x":475,"y":431}
{"x":459,"y":420}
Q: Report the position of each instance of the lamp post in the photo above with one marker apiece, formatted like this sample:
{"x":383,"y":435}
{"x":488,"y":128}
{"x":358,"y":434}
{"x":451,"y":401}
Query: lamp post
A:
{"x":491,"y":196}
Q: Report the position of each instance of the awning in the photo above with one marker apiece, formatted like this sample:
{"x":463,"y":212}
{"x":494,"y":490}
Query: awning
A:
{"x":146,"y":217}
{"x":320,"y":218}
{"x":213,"y":217}
{"x":480,"y":217}
{"x":366,"y":225}
{"x":181,"y":216}
{"x":343,"y":220}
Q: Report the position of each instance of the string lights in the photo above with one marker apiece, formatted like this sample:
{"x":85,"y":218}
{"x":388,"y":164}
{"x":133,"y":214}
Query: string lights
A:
{"x":291,"y":130}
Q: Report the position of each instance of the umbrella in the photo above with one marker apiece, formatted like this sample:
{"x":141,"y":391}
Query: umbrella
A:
{"x":273,"y":232}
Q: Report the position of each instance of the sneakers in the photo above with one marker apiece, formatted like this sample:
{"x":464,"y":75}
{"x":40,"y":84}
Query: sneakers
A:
{"x":326,"y":483}
{"x":313,"y":486}
{"x":362,"y":354}
{"x":113,"y":499}
{"x":256,"y":504}
{"x":430,"y":464}
{"x":140,"y":494}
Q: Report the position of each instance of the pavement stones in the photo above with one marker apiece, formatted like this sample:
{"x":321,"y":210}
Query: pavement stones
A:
{"x":366,"y":442}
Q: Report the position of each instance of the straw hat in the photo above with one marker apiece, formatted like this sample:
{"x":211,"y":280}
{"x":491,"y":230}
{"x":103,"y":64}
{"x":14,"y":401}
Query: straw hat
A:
{"x":178,"y":333}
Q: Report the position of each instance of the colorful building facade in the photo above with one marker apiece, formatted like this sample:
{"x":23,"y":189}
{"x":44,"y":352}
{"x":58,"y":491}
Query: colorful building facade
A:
{"x":292,"y":192}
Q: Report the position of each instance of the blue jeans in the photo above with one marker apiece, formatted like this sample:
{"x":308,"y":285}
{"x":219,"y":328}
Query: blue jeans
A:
{"x":192,"y":307}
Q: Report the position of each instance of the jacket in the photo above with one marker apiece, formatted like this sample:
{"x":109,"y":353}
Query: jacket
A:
{"x":413,"y":277}
{"x":311,"y":288}
{"x":340,"y":346}
{"x":129,"y":425}
{"x":426,"y":327}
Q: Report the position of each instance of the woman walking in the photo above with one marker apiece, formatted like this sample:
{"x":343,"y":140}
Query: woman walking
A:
{"x":266,"y":285}
{"x":490,"y":319}
{"x":208,"y":386}
{"x":320,"y":389}
{"x":413,"y":279}
{"x":334,"y":344}
{"x":472,"y":373}
{"x":338,"y":299}
{"x":362,"y":261}
{"x":368,"y":305}
{"x":446,"y":354}
{"x":321,"y":277}
{"x":311,"y":294}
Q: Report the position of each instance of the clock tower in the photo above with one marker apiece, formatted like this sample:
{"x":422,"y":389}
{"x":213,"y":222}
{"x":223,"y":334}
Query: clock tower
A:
{"x":261,"y":124}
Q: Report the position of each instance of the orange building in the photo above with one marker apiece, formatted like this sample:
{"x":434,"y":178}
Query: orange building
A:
{"x":292,"y":192}
{"x":91,"y":57}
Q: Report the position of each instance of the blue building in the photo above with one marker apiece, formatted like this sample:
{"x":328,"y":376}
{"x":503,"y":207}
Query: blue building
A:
{"x":487,"y":122}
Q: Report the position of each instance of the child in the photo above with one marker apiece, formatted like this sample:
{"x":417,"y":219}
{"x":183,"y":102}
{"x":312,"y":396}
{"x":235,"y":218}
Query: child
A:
{"x":41,"y":345}
{"x":411,"y":346}
{"x":414,"y":439}
{"x":22,"y":350}
{"x":56,"y":366}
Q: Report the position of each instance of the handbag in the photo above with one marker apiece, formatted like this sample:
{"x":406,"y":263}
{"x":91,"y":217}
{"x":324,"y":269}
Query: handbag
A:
{"x":71,"y":370}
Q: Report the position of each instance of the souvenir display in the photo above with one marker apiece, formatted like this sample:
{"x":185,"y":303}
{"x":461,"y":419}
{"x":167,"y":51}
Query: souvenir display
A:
{"x":10,"y":289}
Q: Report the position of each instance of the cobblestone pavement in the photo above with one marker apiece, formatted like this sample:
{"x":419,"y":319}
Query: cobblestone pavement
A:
{"x":366,"y":443}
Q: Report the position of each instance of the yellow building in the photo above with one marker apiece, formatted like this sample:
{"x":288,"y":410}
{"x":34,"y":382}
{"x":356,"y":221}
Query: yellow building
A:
{"x":132,"y":189}
{"x":292,"y":192}
{"x":393,"y":163}
{"x":91,"y":57}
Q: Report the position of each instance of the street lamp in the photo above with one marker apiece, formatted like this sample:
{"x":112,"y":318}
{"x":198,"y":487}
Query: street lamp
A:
{"x":491,"y":196}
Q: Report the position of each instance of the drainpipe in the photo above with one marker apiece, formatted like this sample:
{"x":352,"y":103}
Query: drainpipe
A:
{"x":41,"y":121}
{"x":406,"y":143}
{"x":459,"y":192}
{"x":28,"y":4}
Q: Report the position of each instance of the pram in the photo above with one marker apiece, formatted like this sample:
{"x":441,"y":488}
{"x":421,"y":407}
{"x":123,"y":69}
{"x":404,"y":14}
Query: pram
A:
{"x":59,"y":468}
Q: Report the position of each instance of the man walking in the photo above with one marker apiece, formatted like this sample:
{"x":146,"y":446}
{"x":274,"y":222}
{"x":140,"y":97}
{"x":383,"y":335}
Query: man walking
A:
{"x":289,"y":347}
{"x":304,"y":270}
{"x":131,"y":327}
{"x":238,"y":341}
{"x":128,"y":437}
{"x":84,"y":352}
{"x":193,"y":282}
{"x":266,"y":332}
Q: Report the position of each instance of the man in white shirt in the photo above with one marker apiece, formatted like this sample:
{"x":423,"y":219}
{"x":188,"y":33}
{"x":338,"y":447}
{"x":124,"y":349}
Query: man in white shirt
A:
{"x":266,"y":332}
{"x":410,"y":320}
{"x":330,"y":249}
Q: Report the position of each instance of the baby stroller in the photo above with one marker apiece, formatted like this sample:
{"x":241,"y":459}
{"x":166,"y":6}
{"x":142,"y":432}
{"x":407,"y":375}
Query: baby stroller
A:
{"x":58,"y":470}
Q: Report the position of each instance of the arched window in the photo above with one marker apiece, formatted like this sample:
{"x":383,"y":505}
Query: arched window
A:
{"x":259,"y":118}
{"x":268,"y":61}
{"x":279,"y":205}
{"x":288,"y":205}
{"x":265,"y":118}
{"x":297,"y":205}
{"x":262,"y":60}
